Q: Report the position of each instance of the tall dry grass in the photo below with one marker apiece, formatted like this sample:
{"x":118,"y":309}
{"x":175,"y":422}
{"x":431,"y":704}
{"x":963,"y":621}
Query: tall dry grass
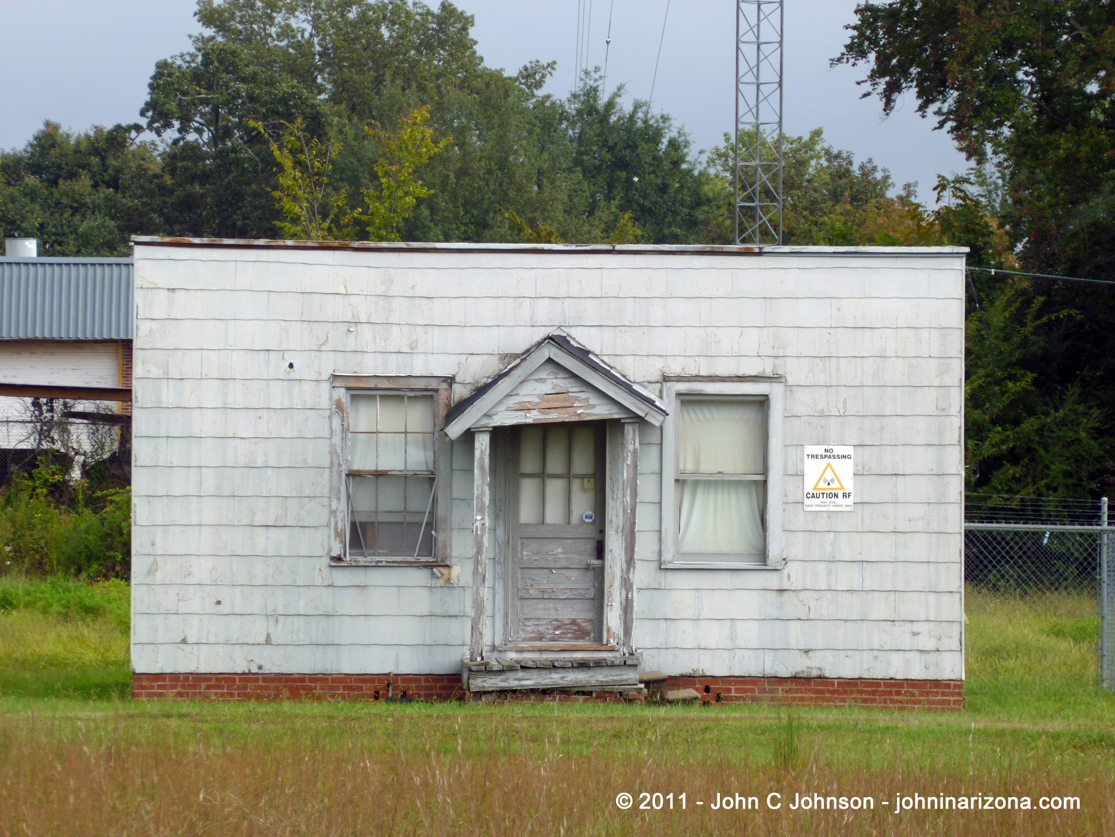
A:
{"x":293,"y":775}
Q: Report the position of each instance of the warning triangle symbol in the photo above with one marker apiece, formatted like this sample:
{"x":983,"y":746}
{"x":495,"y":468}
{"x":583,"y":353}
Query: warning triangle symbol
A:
{"x":832,"y":483}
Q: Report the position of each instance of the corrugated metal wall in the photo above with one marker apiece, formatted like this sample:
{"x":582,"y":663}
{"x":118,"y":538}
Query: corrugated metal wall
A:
{"x":66,"y":299}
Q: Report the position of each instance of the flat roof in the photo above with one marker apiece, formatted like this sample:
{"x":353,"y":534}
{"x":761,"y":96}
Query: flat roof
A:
{"x":462,"y":247}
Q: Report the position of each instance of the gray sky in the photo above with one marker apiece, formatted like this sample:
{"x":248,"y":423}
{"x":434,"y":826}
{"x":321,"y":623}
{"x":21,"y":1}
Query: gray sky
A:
{"x":87,"y":62}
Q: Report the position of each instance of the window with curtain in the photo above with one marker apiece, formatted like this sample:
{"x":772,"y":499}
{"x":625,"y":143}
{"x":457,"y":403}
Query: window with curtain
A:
{"x":717,"y":451}
{"x":389,"y":482}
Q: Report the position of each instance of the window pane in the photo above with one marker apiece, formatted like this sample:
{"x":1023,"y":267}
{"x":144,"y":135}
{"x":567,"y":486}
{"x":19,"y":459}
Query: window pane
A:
{"x":530,"y":450}
{"x":390,"y":496}
{"x":721,"y":516}
{"x":362,"y":452}
{"x":420,"y":451}
{"x":557,"y":450}
{"x":418,"y":492}
{"x":392,"y":413}
{"x":722,"y":436}
{"x":420,"y":414}
{"x":391,"y":452}
{"x":362,"y":413}
{"x":584,"y":450}
{"x":362,"y":493}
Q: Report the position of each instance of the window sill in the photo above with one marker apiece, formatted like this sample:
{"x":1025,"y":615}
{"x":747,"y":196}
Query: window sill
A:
{"x":388,"y":562}
{"x":717,"y":565}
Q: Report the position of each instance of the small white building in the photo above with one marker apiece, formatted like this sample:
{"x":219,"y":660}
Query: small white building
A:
{"x":365,"y":469}
{"x":65,"y":354}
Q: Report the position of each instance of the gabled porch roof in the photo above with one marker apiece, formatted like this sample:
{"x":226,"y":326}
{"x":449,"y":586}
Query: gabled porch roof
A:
{"x":556,"y":379}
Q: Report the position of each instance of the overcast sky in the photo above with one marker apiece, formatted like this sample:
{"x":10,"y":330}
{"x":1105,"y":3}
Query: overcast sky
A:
{"x":87,"y":62}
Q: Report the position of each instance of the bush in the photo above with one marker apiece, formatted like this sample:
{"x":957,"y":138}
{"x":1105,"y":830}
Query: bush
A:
{"x":88,"y":538}
{"x":67,"y":599}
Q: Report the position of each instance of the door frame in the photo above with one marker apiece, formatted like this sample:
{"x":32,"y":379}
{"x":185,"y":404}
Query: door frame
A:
{"x":621,"y":455}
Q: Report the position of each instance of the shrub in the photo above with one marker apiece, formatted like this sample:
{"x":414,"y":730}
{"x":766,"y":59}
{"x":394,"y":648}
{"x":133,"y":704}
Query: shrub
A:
{"x":88,"y":538}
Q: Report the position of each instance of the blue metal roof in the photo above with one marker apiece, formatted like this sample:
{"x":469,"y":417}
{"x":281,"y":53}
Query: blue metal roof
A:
{"x":66,"y":299}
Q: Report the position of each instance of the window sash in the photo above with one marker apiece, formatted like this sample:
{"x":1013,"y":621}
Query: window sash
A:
{"x":721,"y":504}
{"x":391,"y":497}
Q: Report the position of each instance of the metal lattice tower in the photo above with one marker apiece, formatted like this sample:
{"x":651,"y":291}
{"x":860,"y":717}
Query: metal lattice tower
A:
{"x":758,"y":149}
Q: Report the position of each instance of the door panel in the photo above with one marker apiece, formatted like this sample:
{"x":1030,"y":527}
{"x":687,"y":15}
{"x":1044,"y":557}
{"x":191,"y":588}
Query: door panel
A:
{"x":557,"y":531}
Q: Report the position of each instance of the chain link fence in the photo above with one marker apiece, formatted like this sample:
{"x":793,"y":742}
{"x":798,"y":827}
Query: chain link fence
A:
{"x":1039,"y":597}
{"x":78,"y":439}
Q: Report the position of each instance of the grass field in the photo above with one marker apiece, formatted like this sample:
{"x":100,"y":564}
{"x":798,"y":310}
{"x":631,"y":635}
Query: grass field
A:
{"x":78,"y":758}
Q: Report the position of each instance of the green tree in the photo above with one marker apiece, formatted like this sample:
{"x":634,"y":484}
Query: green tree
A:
{"x":634,"y":160}
{"x":313,"y":209}
{"x":827,"y":197}
{"x":82,"y":194}
{"x":1027,"y":88}
{"x":404,"y":152}
{"x":1022,"y":439}
{"x":339,"y":64}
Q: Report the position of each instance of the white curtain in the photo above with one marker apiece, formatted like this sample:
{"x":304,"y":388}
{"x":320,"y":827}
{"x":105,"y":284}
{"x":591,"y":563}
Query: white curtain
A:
{"x":722,"y":437}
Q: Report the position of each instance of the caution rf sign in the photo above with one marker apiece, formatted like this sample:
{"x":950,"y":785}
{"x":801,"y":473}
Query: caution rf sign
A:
{"x":828,"y":478}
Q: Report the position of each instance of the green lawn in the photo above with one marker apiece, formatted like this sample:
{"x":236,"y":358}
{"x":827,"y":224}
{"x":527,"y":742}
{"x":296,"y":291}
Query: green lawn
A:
{"x":78,"y":757}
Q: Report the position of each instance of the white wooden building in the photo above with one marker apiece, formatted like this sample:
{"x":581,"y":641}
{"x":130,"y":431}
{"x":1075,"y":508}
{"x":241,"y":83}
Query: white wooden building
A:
{"x":66,"y":340}
{"x":369,"y":469}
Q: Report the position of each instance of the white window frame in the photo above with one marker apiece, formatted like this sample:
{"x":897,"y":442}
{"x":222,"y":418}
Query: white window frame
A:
{"x":772,"y":392}
{"x":343,"y":387}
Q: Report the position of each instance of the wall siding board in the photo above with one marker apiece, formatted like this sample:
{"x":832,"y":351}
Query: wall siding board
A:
{"x":232,"y":449}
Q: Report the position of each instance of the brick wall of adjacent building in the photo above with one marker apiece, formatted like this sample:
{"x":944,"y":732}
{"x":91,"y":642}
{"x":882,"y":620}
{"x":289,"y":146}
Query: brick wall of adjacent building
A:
{"x":886,"y":694}
{"x":126,"y":373}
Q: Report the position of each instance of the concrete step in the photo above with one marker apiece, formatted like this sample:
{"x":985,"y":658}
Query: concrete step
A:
{"x":682,"y":696}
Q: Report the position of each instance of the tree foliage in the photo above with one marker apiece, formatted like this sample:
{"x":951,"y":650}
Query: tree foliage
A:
{"x":311,"y":208}
{"x":82,"y":194}
{"x":404,"y":152}
{"x":1027,"y":88}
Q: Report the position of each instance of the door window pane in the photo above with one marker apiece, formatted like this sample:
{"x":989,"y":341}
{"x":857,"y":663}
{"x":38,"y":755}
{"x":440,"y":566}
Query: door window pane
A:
{"x":583,"y":498}
{"x":530,"y":500}
{"x":557,"y":450}
{"x":557,"y":500}
{"x":530,"y":450}
{"x":584,"y":450}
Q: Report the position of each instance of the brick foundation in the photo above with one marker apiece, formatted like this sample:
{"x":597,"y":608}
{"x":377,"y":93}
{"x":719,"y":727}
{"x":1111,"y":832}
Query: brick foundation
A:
{"x":887,"y":694}
{"x":297,"y":686}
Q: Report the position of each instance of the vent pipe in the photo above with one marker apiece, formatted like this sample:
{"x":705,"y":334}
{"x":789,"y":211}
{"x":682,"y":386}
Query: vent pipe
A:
{"x":21,"y":248}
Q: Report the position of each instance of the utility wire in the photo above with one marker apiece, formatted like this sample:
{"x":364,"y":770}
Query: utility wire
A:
{"x":656,"y":60}
{"x":577,"y":58}
{"x":607,"y":47}
{"x":995,"y":270}
{"x":587,"y":22}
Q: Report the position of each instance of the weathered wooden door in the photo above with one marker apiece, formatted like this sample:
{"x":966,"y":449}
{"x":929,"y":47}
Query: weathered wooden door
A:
{"x":557,"y":534}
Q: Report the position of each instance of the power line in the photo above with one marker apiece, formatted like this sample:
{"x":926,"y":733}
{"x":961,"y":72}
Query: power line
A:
{"x":577,"y":58}
{"x":587,"y":36}
{"x":995,"y":270}
{"x":607,"y":47}
{"x":656,"y":60}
